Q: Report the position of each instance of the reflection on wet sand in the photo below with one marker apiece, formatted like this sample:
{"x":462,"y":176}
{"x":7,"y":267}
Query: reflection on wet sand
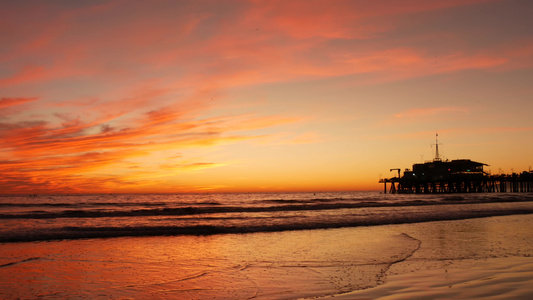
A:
{"x":282,"y":265}
{"x":263,"y":265}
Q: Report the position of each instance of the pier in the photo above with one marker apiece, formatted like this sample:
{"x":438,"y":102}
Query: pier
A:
{"x":504,"y":183}
{"x":456,"y":176}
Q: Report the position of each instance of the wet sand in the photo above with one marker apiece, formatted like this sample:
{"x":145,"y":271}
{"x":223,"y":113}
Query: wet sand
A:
{"x":483,"y":258}
{"x":490,"y":258}
{"x":493,"y":278}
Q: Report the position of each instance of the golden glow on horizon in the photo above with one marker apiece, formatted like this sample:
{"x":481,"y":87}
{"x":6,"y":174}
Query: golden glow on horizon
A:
{"x":162,"y":96}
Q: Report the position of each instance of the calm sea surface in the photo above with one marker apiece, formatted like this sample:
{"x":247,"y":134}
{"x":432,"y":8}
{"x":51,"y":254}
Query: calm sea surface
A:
{"x":54,"y":217}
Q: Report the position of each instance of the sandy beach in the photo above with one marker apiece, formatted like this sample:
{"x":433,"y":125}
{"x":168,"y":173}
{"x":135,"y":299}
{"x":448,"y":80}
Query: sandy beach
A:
{"x":477,"y":258}
{"x":492,"y":278}
{"x":472,"y":259}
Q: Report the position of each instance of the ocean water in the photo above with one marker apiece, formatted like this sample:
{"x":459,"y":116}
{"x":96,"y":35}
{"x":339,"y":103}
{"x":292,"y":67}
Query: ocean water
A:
{"x":247,"y":246}
{"x":60,"y":217}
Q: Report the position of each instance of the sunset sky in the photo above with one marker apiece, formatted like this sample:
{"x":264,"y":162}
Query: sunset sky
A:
{"x":229,"y":96}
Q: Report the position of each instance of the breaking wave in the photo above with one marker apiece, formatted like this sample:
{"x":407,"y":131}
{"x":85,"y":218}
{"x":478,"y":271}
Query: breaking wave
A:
{"x":64,"y":217}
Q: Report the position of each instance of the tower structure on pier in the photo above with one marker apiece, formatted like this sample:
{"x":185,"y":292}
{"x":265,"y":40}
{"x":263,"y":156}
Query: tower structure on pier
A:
{"x":437,"y":155}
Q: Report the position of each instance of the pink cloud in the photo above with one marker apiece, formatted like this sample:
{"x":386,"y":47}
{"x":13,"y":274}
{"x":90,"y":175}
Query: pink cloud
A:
{"x":26,"y":74}
{"x":8,"y":102}
{"x":338,"y":19}
{"x":266,"y":41}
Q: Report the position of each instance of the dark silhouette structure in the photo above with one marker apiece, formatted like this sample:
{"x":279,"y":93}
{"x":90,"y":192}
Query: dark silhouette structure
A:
{"x":456,"y":176}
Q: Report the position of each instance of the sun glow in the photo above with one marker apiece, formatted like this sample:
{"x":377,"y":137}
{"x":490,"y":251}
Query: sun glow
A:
{"x":256,"y":95}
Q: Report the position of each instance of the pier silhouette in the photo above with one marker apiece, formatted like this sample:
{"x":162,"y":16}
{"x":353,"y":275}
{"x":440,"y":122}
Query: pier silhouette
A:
{"x":456,"y":176}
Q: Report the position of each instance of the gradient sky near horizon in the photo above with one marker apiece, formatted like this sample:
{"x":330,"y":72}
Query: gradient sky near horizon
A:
{"x":229,"y":96}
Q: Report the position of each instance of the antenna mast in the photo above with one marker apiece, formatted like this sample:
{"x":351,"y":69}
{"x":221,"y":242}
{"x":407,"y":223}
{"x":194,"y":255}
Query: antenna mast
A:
{"x":437,"y":156}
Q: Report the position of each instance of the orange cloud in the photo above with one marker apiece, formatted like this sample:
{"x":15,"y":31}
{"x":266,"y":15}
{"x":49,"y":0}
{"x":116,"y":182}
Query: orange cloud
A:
{"x":198,"y":166}
{"x":67,"y":156}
